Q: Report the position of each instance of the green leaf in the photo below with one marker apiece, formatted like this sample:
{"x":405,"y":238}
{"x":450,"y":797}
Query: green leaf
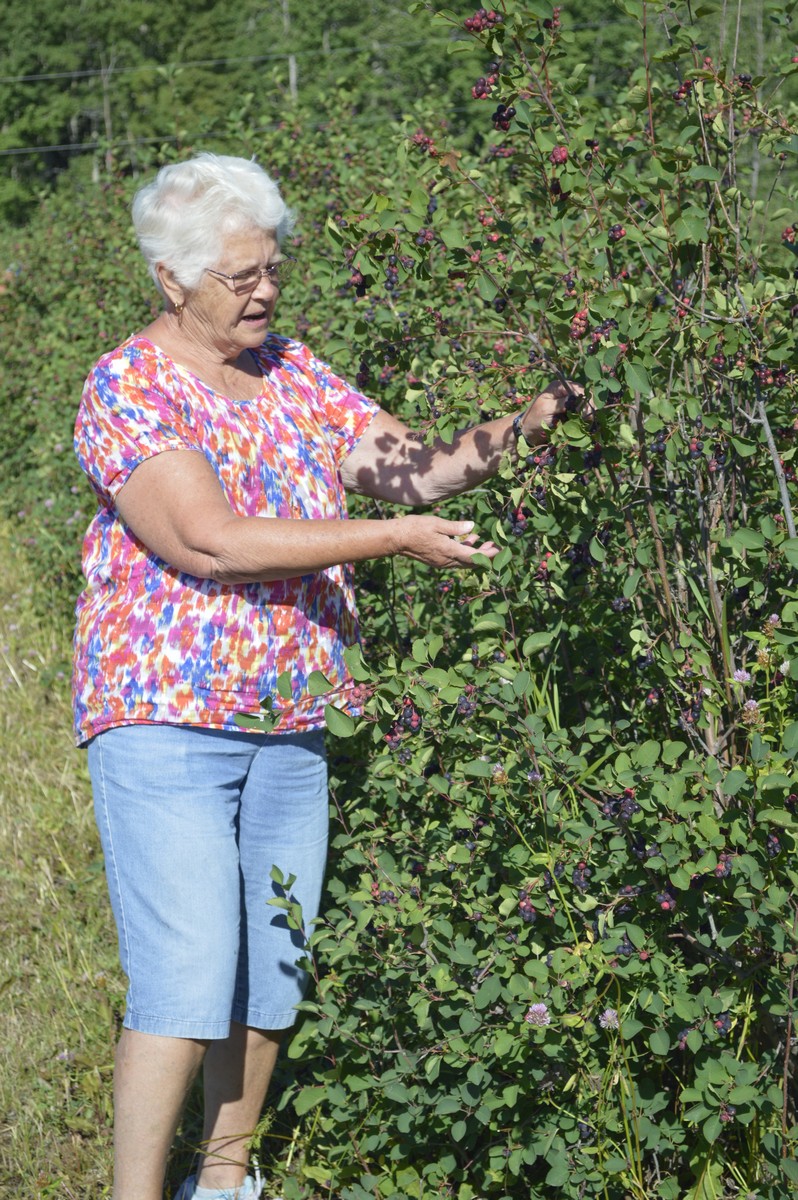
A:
{"x":747,"y":539}
{"x":647,"y":754}
{"x":789,"y":548}
{"x":558,"y":1174}
{"x":631,"y":582}
{"x":338,"y":722}
{"x":597,"y":551}
{"x":735,"y":780}
{"x":483,"y":770}
{"x":659,"y":1042}
{"x":672,"y":752}
{"x":318,"y":683}
{"x":284,"y":685}
{"x":776,"y":781}
{"x":353,"y":657}
{"x":636,"y":376}
{"x":538,"y":641}
{"x":493,"y":621}
{"x":689,"y":228}
{"x":308,"y":1098}
{"x":459,"y":1130}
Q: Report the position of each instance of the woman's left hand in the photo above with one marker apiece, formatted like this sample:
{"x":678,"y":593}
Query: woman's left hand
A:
{"x":557,"y":400}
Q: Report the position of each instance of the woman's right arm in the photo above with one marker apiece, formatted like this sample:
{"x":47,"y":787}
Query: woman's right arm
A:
{"x":173,"y":503}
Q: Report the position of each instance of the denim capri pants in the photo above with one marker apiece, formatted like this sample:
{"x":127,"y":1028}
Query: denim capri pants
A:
{"x":192,"y":820}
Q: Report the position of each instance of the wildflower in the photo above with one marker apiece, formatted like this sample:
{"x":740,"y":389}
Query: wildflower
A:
{"x":784,"y":666}
{"x":538,"y":1015}
{"x":742,"y":676}
{"x":751,"y":714}
{"x":763,"y":657}
{"x":609,"y":1019}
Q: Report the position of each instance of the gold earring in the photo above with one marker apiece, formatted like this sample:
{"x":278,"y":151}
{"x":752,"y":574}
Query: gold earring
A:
{"x":179,"y":309}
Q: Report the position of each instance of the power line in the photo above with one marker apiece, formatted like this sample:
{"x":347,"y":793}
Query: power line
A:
{"x":94,"y":73}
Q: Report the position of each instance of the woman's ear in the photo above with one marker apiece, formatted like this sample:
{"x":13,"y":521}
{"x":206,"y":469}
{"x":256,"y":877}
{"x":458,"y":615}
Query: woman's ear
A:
{"x":174,"y":291}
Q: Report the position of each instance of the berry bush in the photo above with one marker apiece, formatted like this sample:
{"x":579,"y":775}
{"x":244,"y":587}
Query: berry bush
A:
{"x":559,"y":948}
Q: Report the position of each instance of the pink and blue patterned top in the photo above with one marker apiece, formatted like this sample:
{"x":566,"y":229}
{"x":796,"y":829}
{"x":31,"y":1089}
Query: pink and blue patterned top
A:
{"x":156,"y":645}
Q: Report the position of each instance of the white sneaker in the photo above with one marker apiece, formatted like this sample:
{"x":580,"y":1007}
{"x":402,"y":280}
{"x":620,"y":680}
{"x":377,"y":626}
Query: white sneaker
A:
{"x":248,"y":1190}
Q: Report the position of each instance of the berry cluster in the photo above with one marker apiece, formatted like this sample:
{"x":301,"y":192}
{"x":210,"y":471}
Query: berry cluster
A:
{"x":777,"y":377}
{"x":559,"y":155}
{"x":666,"y":900}
{"x":481,"y":20}
{"x":358,"y":282}
{"x":579,"y":324}
{"x":723,"y":1023}
{"x":599,"y":332}
{"x":724,"y":865}
{"x":690,"y":715}
{"x":616,"y":232}
{"x":526,"y":908}
{"x":581,"y":876}
{"x":621,"y":808}
{"x":625,"y":947}
{"x":773,"y":845}
{"x":548,"y":878}
{"x":391,"y":275}
{"x":553,"y":22}
{"x":502,"y":117}
{"x":408,"y":722}
{"x":683,"y":92}
{"x":518,"y":521}
{"x":485,"y":84}
{"x":466,"y":706}
{"x":744,"y":82}
{"x":424,"y":142}
{"x":790,"y":235}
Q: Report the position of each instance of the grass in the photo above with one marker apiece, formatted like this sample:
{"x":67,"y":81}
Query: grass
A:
{"x":61,"y":987}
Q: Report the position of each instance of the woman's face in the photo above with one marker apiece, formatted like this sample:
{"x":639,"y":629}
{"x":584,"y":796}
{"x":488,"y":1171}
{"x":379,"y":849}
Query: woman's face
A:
{"x":222,"y":316}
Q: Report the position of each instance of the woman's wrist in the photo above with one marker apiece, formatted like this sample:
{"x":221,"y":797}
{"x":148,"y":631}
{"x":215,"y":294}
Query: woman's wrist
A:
{"x":521,"y":428}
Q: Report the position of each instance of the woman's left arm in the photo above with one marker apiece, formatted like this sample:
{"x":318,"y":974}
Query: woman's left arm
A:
{"x":391,"y":462}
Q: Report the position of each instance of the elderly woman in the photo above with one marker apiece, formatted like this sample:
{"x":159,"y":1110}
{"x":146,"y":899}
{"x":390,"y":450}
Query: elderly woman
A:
{"x":218,"y":559}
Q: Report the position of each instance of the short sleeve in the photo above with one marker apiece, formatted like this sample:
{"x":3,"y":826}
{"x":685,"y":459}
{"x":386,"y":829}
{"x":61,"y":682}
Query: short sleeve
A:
{"x":124,"y":418}
{"x":344,"y":412}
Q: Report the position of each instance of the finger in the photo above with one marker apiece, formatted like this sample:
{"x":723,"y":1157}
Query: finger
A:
{"x":457,"y":529}
{"x":467,"y":552}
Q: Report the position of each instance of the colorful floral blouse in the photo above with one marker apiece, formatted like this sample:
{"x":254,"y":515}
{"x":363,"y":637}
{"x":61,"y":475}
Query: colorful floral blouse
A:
{"x":156,"y":645}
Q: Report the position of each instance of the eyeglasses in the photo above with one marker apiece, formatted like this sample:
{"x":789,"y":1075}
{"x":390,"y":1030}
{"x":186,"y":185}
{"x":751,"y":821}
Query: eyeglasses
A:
{"x":246,"y":281}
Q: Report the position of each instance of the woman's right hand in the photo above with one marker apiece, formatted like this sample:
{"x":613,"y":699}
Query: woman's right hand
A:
{"x":438,"y":542}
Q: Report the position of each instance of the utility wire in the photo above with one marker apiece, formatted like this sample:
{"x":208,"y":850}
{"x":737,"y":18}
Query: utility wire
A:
{"x":91,"y":73}
{"x":373,"y":46}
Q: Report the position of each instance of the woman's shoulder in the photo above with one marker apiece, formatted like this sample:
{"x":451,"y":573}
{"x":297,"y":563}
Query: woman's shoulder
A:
{"x":136,"y":353}
{"x":281,"y":352}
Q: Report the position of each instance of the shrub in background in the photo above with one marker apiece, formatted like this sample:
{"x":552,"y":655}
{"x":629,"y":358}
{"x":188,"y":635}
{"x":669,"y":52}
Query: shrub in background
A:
{"x":560,"y":953}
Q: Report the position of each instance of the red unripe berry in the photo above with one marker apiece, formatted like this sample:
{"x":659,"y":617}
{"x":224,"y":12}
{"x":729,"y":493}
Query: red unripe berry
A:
{"x":559,"y":155}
